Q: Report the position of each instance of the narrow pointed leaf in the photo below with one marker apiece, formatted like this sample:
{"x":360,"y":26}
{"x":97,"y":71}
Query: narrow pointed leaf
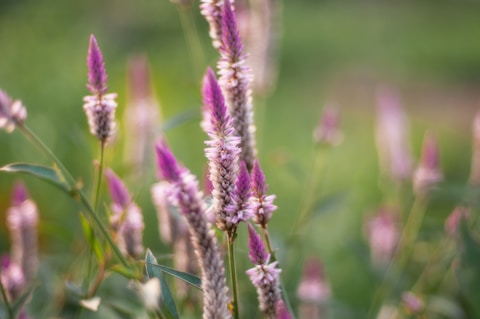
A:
{"x":188,"y":278}
{"x":22,"y":300}
{"x":169,"y":309}
{"x":45,"y":173}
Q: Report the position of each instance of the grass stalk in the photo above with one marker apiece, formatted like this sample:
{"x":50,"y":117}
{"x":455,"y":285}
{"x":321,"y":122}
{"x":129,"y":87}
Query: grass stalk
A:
{"x":233,"y":274}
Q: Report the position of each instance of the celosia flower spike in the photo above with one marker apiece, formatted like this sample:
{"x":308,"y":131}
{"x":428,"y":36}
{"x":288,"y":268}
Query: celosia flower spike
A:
{"x":222,"y":153}
{"x":126,"y":219}
{"x":328,"y":131}
{"x":189,"y":199}
{"x":99,"y":107}
{"x":12,"y":113}
{"x":257,"y":252}
{"x":238,"y":209}
{"x":428,"y":173}
{"x":235,"y":81}
{"x":265,"y":276}
{"x":212,"y":10}
{"x":282,"y":311}
{"x":97,"y":76}
{"x":260,"y":204}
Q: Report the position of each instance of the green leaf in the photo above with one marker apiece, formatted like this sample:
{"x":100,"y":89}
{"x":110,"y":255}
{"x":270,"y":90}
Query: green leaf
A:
{"x":45,"y":173}
{"x":124,"y":271}
{"x":188,"y":278}
{"x":22,"y":300}
{"x":92,"y":240}
{"x":179,"y":119}
{"x":168,"y":305}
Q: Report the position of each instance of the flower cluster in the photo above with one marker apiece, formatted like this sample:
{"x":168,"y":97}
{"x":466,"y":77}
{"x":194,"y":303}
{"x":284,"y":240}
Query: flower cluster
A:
{"x":12,"y":113}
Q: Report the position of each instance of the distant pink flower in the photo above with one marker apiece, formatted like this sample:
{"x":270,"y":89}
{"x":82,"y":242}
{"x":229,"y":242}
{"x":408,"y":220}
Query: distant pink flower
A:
{"x":260,"y":203}
{"x":452,"y":223}
{"x":12,"y":277}
{"x":412,"y":303}
{"x":383,"y":236}
{"x":428,"y":173}
{"x":12,"y":113}
{"x":281,"y":310}
{"x":328,"y":131}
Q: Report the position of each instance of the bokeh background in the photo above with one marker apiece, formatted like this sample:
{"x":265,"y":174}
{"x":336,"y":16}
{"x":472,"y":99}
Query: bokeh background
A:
{"x":328,"y":52}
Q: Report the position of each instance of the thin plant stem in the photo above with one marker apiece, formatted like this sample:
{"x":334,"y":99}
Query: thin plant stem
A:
{"x":404,"y":248}
{"x":192,"y":40}
{"x":75,"y":191}
{"x":100,"y":175}
{"x":5,"y":299}
{"x":233,"y":274}
{"x":273,"y":256}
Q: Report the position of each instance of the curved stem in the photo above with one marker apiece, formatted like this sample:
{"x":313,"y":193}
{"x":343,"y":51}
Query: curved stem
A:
{"x":233,"y":274}
{"x":75,"y":191}
{"x":100,"y":175}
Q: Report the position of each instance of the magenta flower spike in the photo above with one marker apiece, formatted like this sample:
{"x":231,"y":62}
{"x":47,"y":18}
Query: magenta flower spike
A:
{"x":452,"y":223}
{"x":428,"y":172}
{"x":222,"y":153}
{"x":265,"y":276}
{"x":12,"y":277}
{"x":126,"y":219}
{"x":22,"y":222}
{"x":282,"y":311}
{"x":235,"y":81}
{"x":383,"y":234}
{"x":212,"y":10}
{"x":189,"y":200}
{"x":328,"y":131}
{"x":99,"y":107}
{"x":12,"y":113}
{"x":238,"y":209}
{"x":260,"y":204}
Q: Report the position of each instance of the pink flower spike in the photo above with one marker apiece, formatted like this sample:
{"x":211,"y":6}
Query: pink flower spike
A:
{"x":97,"y":76}
{"x":12,"y":113}
{"x":117,"y":189}
{"x":257,"y":253}
{"x":167,"y":165}
{"x":259,"y":203}
{"x":327,"y":131}
{"x":428,"y":173}
{"x":281,"y":310}
{"x":19,"y":194}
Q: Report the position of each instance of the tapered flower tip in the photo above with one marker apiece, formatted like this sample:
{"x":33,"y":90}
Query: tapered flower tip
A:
{"x":117,"y":189}
{"x":453,"y":221}
{"x":257,"y":253}
{"x":97,"y":76}
{"x":281,"y":310}
{"x":230,"y":35}
{"x":430,"y":156}
{"x":213,"y":98}
{"x":19,"y":194}
{"x":243,"y":180}
{"x":258,"y":179}
{"x":5,"y":261}
{"x":168,"y":166}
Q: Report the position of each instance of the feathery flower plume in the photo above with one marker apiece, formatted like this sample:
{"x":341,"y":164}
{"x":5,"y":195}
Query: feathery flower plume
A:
{"x":313,"y":290}
{"x":260,"y":204}
{"x":428,"y":173}
{"x":189,"y":199}
{"x":282,"y":311}
{"x":12,"y":277}
{"x":235,"y":81}
{"x":238,"y":209}
{"x":212,"y":10}
{"x":12,"y":113}
{"x":166,"y":222}
{"x":265,"y":276}
{"x":383,"y":235}
{"x":392,"y":136}
{"x":141,"y":115}
{"x":22,"y":221}
{"x":126,"y":220}
{"x":222,"y":152}
{"x":459,"y":214}
{"x":475,"y":166}
{"x":99,"y":107}
{"x":327,"y":131}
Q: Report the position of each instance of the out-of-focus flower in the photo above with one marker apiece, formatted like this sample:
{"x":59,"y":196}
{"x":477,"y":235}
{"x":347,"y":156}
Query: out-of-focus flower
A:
{"x":12,"y":277}
{"x":99,"y":107}
{"x":222,"y":152}
{"x":141,"y":115}
{"x":260,"y":203}
{"x":22,"y":221}
{"x":475,"y":167}
{"x":281,"y":310}
{"x":235,"y":81}
{"x":428,"y":172}
{"x":265,"y":276}
{"x":328,"y":131}
{"x":189,"y":199}
{"x":383,"y":236}
{"x":412,"y":303}
{"x":126,"y":220}
{"x":392,"y":136}
{"x":12,"y":113}
{"x":453,"y":221}
{"x":313,"y":290}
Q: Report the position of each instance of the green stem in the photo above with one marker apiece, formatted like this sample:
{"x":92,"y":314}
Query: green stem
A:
{"x":75,"y":191}
{"x":233,"y":274}
{"x":100,"y":175}
{"x":273,"y":257}
{"x":5,"y":299}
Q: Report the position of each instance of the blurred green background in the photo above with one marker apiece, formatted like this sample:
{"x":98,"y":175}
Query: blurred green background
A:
{"x":330,"y":51}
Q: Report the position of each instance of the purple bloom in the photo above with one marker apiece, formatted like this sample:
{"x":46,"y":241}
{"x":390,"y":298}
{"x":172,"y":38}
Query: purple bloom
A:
{"x":260,"y":203}
{"x":12,"y":113}
{"x":238,"y":209}
{"x":383,"y":236}
{"x":126,"y":219}
{"x":222,"y":152}
{"x":22,"y":221}
{"x":412,"y":303}
{"x":189,"y":199}
{"x":428,"y":173}
{"x":313,"y":287}
{"x":266,"y":278}
{"x":257,"y":252}
{"x":12,"y":277}
{"x":99,"y":107}
{"x":282,"y":311}
{"x":235,"y":81}
{"x":212,"y":10}
{"x":453,"y":221}
{"x":328,"y":132}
